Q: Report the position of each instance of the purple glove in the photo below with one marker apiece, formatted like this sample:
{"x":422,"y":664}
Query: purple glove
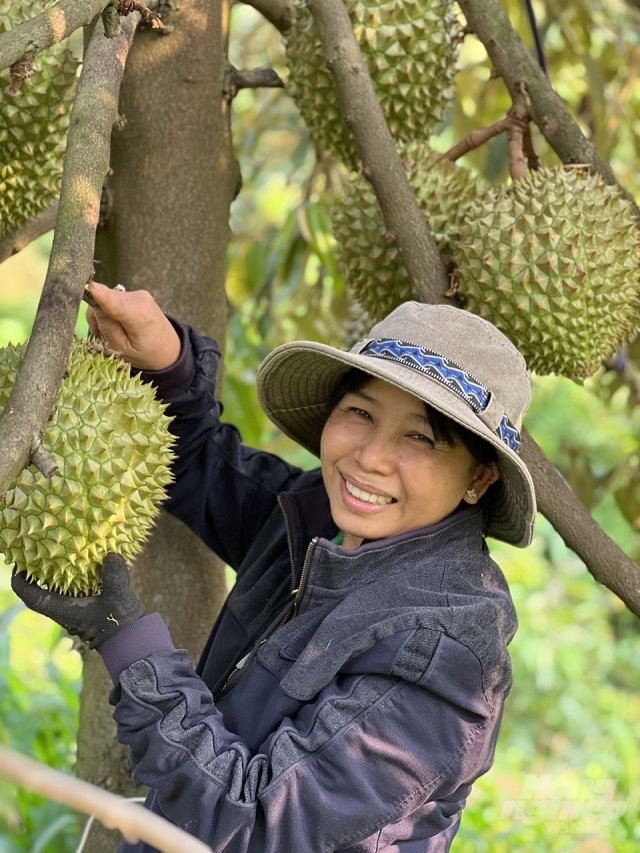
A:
{"x":93,"y":618}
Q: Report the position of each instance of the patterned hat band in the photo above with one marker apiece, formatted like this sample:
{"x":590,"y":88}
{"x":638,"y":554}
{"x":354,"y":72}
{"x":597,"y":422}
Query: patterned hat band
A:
{"x":447,"y":373}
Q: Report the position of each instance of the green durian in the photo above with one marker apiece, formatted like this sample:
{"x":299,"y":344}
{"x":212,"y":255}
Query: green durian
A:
{"x":109,"y":437}
{"x":33,"y":126}
{"x":553,"y":261}
{"x":411,"y":51}
{"x":367,"y":258}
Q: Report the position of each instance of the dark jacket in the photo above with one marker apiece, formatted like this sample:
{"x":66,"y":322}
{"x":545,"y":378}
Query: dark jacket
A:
{"x":365,"y":703}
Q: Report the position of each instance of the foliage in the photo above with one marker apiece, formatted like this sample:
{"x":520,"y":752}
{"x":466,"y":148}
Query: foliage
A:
{"x":39,"y":701}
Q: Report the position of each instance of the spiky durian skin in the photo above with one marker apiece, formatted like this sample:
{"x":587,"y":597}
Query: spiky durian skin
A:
{"x":367,"y":257}
{"x":33,"y":126}
{"x":410,"y":49}
{"x":109,"y":437}
{"x":553,"y":261}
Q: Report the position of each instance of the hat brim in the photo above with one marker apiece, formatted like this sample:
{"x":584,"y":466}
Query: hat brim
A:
{"x":297,"y":381}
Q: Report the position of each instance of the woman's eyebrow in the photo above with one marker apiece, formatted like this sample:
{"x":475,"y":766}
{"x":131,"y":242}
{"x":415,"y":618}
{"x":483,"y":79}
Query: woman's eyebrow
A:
{"x":367,"y":398}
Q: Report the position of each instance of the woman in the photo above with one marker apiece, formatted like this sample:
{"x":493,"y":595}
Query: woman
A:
{"x":353,"y":685}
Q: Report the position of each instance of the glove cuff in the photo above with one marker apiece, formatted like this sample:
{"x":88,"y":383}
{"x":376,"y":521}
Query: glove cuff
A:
{"x":137,"y":641}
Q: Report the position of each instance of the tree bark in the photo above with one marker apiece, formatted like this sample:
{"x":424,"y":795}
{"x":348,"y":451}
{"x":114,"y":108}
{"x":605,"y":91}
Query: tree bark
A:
{"x":165,"y":229}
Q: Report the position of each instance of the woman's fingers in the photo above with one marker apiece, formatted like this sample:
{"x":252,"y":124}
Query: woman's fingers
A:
{"x":133,"y":324}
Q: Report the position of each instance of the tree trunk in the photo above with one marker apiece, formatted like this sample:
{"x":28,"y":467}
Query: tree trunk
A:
{"x":165,"y":229}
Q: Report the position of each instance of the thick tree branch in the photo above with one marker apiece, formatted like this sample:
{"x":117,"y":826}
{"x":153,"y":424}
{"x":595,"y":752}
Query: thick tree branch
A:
{"x":95,"y":109}
{"x":382,"y":166}
{"x":604,"y":559}
{"x":515,"y":64}
{"x":608,"y":564}
{"x":277,"y":12}
{"x":134,"y":822}
{"x":47,"y":28}
{"x":36,"y":227}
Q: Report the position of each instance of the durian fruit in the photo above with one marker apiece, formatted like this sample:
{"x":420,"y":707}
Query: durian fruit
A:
{"x":33,"y":126}
{"x":410,"y":48}
{"x":367,"y":258}
{"x":553,"y":261}
{"x":109,"y":437}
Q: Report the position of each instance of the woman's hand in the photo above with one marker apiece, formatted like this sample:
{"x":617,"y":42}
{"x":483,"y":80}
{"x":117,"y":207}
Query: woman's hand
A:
{"x":93,"y":618}
{"x":133,"y":325}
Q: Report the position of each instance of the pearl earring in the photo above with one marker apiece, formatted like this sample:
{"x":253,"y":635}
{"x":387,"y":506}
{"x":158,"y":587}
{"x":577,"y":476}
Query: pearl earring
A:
{"x":471,"y":493}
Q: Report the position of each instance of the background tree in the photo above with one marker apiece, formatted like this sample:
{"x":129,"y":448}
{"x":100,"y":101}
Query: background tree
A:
{"x":165,"y":218}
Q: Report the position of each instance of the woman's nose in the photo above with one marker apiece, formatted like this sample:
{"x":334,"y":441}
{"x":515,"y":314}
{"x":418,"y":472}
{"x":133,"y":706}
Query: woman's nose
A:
{"x":376,"y":453}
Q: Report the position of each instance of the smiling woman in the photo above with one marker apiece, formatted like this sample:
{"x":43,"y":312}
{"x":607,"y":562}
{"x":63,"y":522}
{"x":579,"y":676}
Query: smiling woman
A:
{"x":353,"y":685}
{"x":385,"y":471}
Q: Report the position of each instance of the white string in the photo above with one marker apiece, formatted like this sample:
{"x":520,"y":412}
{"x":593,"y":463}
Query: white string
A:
{"x":89,"y":823}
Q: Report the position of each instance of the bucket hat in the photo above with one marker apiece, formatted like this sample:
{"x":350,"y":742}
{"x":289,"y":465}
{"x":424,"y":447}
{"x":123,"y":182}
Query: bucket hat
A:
{"x":451,"y":359}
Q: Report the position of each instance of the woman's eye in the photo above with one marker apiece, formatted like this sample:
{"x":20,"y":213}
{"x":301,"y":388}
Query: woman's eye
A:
{"x":362,"y":413}
{"x":425,"y":439}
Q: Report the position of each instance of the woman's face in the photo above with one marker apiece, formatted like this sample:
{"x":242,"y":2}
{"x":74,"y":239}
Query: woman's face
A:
{"x":384,"y":473}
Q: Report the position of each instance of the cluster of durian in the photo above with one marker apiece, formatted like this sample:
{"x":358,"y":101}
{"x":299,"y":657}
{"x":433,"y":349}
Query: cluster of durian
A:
{"x":553,"y":259}
{"x":33,"y":126}
{"x":410,"y":48}
{"x":110,"y":438}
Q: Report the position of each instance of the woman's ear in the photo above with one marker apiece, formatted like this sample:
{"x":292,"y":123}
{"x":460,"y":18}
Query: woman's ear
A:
{"x":484,"y":477}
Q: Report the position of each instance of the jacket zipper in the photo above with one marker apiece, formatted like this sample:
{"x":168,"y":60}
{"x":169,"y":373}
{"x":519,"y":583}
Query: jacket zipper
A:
{"x":290,"y":611}
{"x":304,"y":576}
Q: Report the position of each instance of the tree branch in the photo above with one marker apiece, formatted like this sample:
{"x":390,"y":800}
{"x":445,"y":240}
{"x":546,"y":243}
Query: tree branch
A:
{"x":11,"y":244}
{"x":133,"y":821}
{"x":603,"y":558}
{"x":382,"y":166}
{"x":515,"y":64}
{"x":277,"y":12}
{"x":94,"y":112}
{"x":607,"y":563}
{"x":50,"y":27}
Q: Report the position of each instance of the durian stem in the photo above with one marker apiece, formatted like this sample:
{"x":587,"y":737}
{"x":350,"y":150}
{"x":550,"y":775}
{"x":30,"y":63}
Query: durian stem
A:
{"x":381,"y":164}
{"x":44,"y":462}
{"x":47,"y":28}
{"x":134,"y":822}
{"x":608,"y":564}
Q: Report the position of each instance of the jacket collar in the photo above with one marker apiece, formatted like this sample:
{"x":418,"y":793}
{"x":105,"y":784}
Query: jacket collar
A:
{"x":308,"y":516}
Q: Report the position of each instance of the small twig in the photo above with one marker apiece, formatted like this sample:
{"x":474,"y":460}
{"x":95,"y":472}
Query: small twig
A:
{"x":133,"y":821}
{"x":476,"y":138}
{"x":252,"y":78}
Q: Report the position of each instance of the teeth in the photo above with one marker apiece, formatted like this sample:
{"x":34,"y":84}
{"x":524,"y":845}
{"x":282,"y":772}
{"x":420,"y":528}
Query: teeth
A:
{"x":367,"y":496}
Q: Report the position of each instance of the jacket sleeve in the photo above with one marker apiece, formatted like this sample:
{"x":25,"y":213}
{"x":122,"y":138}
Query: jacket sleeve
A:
{"x":223,"y":490}
{"x":370,"y":751}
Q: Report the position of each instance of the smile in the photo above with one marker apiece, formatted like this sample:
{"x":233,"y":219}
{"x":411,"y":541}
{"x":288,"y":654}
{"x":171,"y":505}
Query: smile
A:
{"x":369,"y":497}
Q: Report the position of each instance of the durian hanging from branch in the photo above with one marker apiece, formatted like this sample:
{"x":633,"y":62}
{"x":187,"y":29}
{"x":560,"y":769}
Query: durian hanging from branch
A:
{"x":411,"y":51}
{"x":109,"y":438}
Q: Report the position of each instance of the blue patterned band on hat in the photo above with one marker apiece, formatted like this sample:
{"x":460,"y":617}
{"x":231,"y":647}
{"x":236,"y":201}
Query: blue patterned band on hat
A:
{"x":447,"y":373}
